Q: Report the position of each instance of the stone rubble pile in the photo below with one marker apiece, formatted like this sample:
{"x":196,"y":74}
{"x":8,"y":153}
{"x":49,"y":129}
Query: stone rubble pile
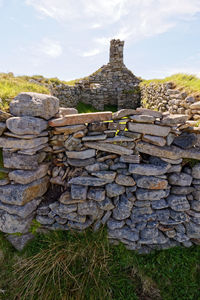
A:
{"x":165,"y":97}
{"x":130,"y":171}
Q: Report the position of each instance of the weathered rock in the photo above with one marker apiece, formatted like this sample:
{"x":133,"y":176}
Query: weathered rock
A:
{"x":142,"y":118}
{"x":89,"y":208}
{"x":156,"y":140}
{"x":20,"y":241}
{"x":180,"y":179}
{"x":123,"y":113}
{"x":148,"y":169}
{"x":72,"y":143}
{"x":149,"y":233}
{"x":4,"y":181}
{"x":145,"y":194}
{"x":149,"y":129}
{"x":175,"y":169}
{"x":149,"y":112}
{"x":99,"y":137}
{"x":159,"y":204}
{"x":124,"y":233}
{"x":78,"y":192}
{"x":172,"y":161}
{"x":13,"y":143}
{"x":195,"y":105}
{"x":113,"y":224}
{"x":97,"y":126}
{"x":81,"y":119}
{"x":25,"y":177}
{"x":174,"y":119}
{"x":26,"y":136}
{"x":109,"y":148}
{"x":64,"y":111}
{"x":66,"y":199}
{"x":123,"y":208}
{"x":172,"y":152}
{"x":185,"y":140}
{"x":23,"y":162}
{"x":80,"y":162}
{"x":97,"y":167}
{"x":21,"y":194}
{"x":106,"y":217}
{"x":196,"y":171}
{"x":14,"y":224}
{"x":113,"y":190}
{"x":44,"y":220}
{"x":26,"y":125}
{"x":178,"y":202}
{"x":2,"y":128}
{"x":35,"y":105}
{"x":125,"y":180}
{"x":4,"y":116}
{"x":107,"y":175}
{"x":21,"y":211}
{"x":182,"y":190}
{"x":34,"y":150}
{"x":119,"y":139}
{"x":195,"y":205}
{"x":92,"y":181}
{"x":69,"y":129}
{"x":132,"y":159}
{"x":97,"y":194}
{"x":152,"y":183}
{"x":193,"y":230}
{"x":85,"y":154}
{"x":106,"y":204}
{"x":179,"y":216}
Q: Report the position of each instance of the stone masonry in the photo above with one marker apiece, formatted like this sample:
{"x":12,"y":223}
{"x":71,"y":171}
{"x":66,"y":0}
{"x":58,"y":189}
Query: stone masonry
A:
{"x":113,"y":84}
{"x":129,"y":171}
{"x":166,"y":97}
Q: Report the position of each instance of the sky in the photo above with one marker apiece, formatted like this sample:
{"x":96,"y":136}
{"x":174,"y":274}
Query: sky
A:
{"x":70,"y":39}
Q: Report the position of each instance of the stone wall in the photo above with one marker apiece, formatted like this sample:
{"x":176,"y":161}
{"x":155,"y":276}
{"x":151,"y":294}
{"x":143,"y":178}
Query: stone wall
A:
{"x":112,"y":84}
{"x":130,"y":171}
{"x":165,"y":97}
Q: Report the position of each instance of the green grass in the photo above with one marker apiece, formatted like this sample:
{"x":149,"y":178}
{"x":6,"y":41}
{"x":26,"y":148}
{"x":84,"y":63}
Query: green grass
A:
{"x":190,"y":83}
{"x":11,"y":86}
{"x":72,"y":265}
{"x":87,"y":108}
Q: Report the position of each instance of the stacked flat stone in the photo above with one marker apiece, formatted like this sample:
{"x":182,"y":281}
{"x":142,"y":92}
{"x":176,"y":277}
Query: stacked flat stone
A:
{"x":112,"y":84}
{"x":126,"y":170}
{"x":165,"y":97}
{"x":24,"y":143}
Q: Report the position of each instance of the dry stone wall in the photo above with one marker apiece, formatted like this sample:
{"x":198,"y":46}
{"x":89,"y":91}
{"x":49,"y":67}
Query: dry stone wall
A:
{"x":165,"y":97}
{"x":128,"y":171}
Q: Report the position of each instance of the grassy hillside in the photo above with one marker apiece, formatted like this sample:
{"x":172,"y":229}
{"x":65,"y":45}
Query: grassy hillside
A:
{"x":190,"y":83}
{"x":11,"y":86}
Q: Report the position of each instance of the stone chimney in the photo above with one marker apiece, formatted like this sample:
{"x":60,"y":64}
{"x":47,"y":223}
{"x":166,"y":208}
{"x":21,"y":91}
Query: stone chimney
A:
{"x":116,"y":53}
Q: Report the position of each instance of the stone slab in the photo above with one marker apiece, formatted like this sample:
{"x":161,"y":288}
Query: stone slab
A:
{"x":85,"y":154}
{"x":81,"y":119}
{"x":172,"y":152}
{"x":22,"y":162}
{"x":106,"y":147}
{"x":26,"y":125}
{"x":25,"y":177}
{"x":20,"y":194}
{"x":149,"y":129}
{"x":12,"y":143}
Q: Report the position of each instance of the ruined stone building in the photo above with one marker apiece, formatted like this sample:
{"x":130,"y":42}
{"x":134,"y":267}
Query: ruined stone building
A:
{"x":112,"y":84}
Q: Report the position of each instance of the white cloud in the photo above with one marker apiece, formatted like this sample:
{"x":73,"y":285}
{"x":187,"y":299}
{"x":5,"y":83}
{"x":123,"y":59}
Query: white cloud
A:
{"x":91,"y":53}
{"x":50,"y":48}
{"x":1,"y":3}
{"x":125,"y":19}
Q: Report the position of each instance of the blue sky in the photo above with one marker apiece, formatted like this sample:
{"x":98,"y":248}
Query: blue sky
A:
{"x":70,"y":39}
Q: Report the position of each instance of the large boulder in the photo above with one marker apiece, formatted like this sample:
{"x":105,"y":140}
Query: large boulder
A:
{"x":26,"y":125}
{"x":35,"y":105}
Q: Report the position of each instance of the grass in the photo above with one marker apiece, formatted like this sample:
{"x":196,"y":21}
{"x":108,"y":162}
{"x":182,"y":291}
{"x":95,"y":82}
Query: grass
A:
{"x":72,"y":265}
{"x":190,"y":83}
{"x":11,"y":86}
{"x":87,"y":108}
